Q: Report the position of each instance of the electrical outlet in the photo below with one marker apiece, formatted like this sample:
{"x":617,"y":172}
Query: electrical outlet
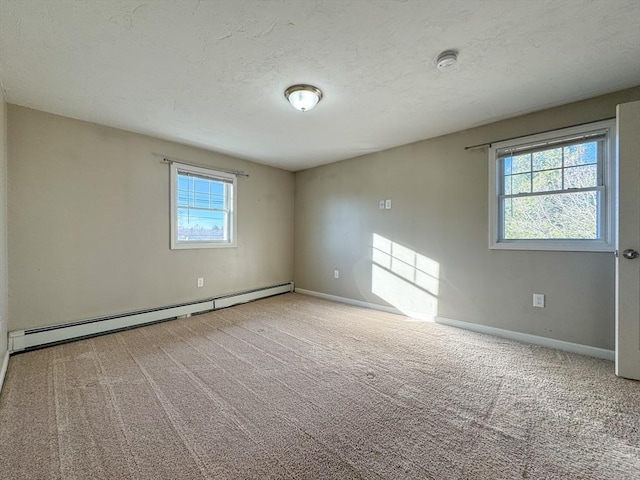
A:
{"x":336,"y":274}
{"x":538,"y":300}
{"x":200,"y":282}
{"x":387,"y":204}
{"x":381,"y":204}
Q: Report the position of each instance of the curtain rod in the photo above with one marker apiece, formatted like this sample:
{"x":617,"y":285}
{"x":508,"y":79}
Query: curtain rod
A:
{"x":488,"y":144}
{"x":237,"y":173}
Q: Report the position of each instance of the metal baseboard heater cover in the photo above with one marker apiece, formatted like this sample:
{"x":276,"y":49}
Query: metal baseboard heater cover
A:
{"x":20,"y":340}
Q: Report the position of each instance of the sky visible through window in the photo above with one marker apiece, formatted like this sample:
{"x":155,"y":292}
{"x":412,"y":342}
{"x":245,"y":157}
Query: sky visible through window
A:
{"x":570,"y":210}
{"x":202,"y":208}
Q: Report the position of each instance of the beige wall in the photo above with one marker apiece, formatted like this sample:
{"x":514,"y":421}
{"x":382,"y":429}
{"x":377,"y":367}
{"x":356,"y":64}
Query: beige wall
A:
{"x":439,"y":211}
{"x":4,"y":307}
{"x":89,"y":224}
{"x":89,"y":229}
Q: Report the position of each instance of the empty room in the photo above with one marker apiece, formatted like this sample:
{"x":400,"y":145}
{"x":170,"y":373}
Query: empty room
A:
{"x":328,"y":239}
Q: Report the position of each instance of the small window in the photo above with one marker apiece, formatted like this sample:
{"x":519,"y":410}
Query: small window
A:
{"x":202,"y":207}
{"x":554,"y":191}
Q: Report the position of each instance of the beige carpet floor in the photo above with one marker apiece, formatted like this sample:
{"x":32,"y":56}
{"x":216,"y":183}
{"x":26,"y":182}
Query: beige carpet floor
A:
{"x":293,"y":387}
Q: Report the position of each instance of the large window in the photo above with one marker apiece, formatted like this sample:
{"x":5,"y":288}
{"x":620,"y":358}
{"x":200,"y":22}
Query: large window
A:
{"x":554,"y":191}
{"x":202,"y":207}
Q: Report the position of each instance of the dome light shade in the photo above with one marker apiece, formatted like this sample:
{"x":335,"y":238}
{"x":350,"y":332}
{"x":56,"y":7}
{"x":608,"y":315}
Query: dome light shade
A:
{"x":303,"y":97}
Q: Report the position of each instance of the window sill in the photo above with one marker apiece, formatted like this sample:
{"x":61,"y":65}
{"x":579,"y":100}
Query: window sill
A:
{"x":195,"y":246}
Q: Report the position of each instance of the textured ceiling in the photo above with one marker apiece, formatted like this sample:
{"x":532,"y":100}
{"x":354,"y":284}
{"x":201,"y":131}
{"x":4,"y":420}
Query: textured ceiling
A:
{"x":213,"y":73}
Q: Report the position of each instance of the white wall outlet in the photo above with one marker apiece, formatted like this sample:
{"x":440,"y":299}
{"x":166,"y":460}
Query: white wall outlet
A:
{"x":336,"y":274}
{"x":387,"y":204}
{"x":538,"y":300}
{"x":381,"y":204}
{"x":200,"y":282}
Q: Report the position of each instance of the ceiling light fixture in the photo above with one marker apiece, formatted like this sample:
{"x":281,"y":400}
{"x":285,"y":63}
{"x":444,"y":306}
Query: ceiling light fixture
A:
{"x":303,"y":97}
{"x":446,"y":60}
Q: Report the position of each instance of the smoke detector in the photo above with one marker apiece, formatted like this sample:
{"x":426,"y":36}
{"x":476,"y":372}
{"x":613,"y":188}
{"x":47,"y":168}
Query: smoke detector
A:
{"x":446,"y":60}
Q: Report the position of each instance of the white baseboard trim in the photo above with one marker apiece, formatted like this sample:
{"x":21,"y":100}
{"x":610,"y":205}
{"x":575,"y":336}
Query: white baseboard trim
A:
{"x":3,"y":369}
{"x":533,"y":339}
{"x":350,"y":301}
{"x":475,"y":327}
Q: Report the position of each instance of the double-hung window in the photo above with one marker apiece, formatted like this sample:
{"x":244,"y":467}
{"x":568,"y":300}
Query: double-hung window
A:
{"x":202,"y":207}
{"x":554,"y":191}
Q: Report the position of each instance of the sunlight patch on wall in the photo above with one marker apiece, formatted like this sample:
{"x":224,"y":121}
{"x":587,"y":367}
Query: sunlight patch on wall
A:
{"x":404,"y":278}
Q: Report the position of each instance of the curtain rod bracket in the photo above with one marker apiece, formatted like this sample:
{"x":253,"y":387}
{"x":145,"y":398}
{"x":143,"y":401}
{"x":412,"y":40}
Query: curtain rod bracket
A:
{"x":479,"y":146}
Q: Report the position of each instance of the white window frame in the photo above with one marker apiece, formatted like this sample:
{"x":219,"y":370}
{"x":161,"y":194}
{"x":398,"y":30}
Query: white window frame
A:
{"x":608,"y":214}
{"x":229,"y":178}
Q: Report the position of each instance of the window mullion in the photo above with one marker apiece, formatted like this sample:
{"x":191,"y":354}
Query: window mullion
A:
{"x":563,"y":170}
{"x":553,"y":192}
{"x":531,"y":172}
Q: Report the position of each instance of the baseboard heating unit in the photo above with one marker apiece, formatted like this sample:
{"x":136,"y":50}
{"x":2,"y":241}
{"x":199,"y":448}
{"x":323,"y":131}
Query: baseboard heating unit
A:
{"x":21,"y":340}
